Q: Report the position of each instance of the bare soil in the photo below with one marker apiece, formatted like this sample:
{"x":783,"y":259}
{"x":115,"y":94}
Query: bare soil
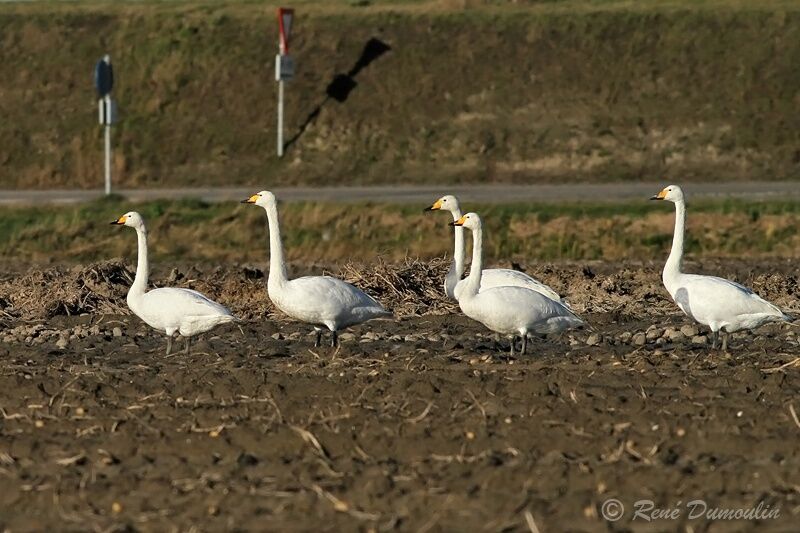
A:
{"x":415,"y":424}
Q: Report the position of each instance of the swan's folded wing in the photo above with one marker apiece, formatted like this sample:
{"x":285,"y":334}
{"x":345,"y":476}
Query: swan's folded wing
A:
{"x":500,"y":277}
{"x":505,"y":309}
{"x":710,"y":295}
{"x":185,"y":301}
{"x":327,"y":296}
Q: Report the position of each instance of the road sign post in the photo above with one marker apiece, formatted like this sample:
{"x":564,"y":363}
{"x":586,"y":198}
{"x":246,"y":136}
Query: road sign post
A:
{"x":284,"y":66}
{"x":103,"y":83}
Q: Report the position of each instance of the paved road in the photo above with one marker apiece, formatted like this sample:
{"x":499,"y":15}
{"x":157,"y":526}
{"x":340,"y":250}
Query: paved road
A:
{"x":423,"y":194}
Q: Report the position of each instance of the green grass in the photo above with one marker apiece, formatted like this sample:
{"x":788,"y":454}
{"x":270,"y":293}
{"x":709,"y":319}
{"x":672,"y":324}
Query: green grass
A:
{"x":193,"y":231}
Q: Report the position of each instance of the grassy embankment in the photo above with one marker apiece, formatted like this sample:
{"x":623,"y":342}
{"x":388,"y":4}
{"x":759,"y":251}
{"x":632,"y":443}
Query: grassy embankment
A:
{"x":561,"y":90}
{"x":191,"y":231}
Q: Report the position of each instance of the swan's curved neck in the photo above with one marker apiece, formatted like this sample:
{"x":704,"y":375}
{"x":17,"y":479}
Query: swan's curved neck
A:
{"x":457,"y":266}
{"x":672,"y":268}
{"x":475,"y":269}
{"x":277,"y":263}
{"x":142,"y":265}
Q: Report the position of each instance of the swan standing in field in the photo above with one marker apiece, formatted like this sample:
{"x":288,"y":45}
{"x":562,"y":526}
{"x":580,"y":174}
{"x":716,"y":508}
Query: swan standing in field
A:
{"x":715,"y":302}
{"x":169,"y":309}
{"x":508,"y":310}
{"x":491,"y":277}
{"x":324,"y":301}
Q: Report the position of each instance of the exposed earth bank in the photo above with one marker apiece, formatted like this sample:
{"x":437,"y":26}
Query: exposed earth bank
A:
{"x":402,"y":92}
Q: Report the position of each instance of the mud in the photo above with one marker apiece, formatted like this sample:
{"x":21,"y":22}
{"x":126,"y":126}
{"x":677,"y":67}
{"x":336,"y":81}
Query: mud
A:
{"x":416,"y":424}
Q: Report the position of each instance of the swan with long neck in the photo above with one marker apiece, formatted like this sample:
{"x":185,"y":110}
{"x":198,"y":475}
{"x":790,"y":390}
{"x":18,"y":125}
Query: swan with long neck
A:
{"x":491,"y":277}
{"x":508,"y":310}
{"x":168,"y":309}
{"x":718,"y":303}
{"x":323,"y":301}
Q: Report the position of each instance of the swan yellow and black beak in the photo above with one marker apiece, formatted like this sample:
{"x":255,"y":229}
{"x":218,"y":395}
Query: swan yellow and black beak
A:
{"x":253,"y":199}
{"x":659,"y":196}
{"x":120,"y":221}
{"x":459,"y":222}
{"x":436,"y":205}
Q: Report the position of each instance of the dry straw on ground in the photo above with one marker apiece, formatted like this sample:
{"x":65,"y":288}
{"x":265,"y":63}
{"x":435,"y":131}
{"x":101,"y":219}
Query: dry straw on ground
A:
{"x":96,"y":289}
{"x":411,"y":287}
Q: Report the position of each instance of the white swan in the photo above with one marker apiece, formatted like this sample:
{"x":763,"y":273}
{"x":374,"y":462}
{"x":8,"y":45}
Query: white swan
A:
{"x":508,"y":310}
{"x":169,"y":309}
{"x":323,"y":301}
{"x":491,"y":277}
{"x":715,"y":302}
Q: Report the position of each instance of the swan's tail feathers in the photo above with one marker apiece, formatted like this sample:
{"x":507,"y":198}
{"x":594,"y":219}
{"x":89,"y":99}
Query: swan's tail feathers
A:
{"x":576,"y":321}
{"x":780,"y":314}
{"x":384,"y":313}
{"x":783,"y":316}
{"x":582,"y":324}
{"x":372,"y":313}
{"x":559,"y":324}
{"x":225,"y":319}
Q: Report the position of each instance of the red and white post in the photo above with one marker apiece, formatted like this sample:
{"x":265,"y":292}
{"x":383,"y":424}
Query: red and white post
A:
{"x":284,"y":66}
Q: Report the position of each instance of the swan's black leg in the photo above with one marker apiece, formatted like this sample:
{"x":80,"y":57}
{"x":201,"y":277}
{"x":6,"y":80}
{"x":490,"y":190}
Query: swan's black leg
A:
{"x":725,"y":342}
{"x":188,"y":342}
{"x":169,"y":344}
{"x":714,"y":338}
{"x":525,"y":344}
{"x":513,"y":342}
{"x":334,"y":339}
{"x":319,"y":338}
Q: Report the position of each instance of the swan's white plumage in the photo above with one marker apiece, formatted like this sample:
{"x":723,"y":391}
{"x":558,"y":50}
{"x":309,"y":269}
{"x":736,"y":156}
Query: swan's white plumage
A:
{"x":505,"y":277}
{"x":723,"y":304}
{"x":169,"y":309}
{"x":490,"y":277}
{"x":518,"y":311}
{"x":715,"y":302}
{"x":509,"y":310}
{"x":323,"y":301}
